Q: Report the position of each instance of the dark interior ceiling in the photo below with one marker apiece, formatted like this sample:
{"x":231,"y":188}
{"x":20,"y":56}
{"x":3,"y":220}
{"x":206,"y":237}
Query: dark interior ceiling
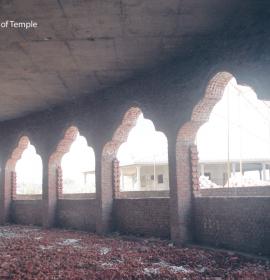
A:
{"x":81,"y":47}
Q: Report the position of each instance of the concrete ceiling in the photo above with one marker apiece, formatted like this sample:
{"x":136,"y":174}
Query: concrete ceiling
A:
{"x":83,"y":46}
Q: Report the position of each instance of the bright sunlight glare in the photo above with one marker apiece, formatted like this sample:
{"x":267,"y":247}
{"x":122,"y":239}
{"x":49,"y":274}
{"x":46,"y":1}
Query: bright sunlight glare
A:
{"x":29,"y":172}
{"x":144,"y":145}
{"x":78,"y":167}
{"x":249,"y":127}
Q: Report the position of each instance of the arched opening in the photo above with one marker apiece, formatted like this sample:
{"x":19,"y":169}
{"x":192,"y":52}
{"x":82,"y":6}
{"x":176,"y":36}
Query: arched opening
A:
{"x":72,"y":165}
{"x":187,"y":159}
{"x":78,"y":168}
{"x":29,"y":172}
{"x":110,"y":179}
{"x":234,"y":145}
{"x":24,"y":170}
{"x":112,"y":193}
{"x":136,"y":145}
{"x":185,"y":147}
{"x":211,"y":215}
{"x":143,"y":159}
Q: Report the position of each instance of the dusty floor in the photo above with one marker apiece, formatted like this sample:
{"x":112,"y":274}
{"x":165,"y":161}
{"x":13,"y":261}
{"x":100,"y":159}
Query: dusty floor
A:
{"x":32,"y":253}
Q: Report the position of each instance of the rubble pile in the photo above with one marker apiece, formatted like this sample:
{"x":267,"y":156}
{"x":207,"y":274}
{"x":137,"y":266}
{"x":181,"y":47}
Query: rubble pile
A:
{"x":33,"y":253}
{"x":235,"y":181}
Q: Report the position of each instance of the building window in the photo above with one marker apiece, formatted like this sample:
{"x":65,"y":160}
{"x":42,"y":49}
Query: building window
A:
{"x":160,"y":179}
{"x":207,"y":174}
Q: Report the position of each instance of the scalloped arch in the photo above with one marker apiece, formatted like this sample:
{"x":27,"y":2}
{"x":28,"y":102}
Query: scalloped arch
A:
{"x":121,"y":133}
{"x":64,"y":144}
{"x":17,"y":152}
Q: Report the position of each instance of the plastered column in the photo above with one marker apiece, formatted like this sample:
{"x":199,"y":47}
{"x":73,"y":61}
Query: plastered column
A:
{"x":6,"y":193}
{"x":104,"y":189}
{"x":49,"y":192}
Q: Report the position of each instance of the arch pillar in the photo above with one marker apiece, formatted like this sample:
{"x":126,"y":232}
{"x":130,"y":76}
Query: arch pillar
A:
{"x":105,"y":191}
{"x":182,"y":186}
{"x":49,"y":192}
{"x":7,"y":176}
{"x":50,"y":182}
{"x":5,"y":193}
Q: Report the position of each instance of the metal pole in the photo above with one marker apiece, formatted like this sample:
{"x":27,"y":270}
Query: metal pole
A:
{"x":154,"y":172}
{"x":228,"y":139}
{"x":240,"y":137}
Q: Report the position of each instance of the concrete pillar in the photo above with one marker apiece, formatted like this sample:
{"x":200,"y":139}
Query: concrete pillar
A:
{"x":202,"y":169}
{"x":122,"y":185}
{"x":233,"y":168}
{"x":264,"y":171}
{"x":138,"y":172}
{"x":5,"y":199}
{"x":49,"y":192}
{"x":180,"y":193}
{"x":104,"y":195}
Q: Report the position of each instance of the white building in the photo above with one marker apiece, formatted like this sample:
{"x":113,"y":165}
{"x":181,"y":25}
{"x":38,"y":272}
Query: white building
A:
{"x":144,"y":176}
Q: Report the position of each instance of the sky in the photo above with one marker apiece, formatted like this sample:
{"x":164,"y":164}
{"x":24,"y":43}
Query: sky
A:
{"x":80,"y":157}
{"x":248,"y":128}
{"x":144,"y":144}
{"x":29,"y":168}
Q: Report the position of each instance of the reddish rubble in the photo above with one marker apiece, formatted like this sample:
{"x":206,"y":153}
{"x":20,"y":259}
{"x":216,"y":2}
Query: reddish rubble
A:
{"x":33,"y":253}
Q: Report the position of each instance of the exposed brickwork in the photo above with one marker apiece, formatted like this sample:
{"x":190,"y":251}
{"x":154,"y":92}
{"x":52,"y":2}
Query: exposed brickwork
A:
{"x":185,"y":161}
{"x":55,"y":159}
{"x":116,"y":178}
{"x":238,"y":223}
{"x":148,"y":217}
{"x":168,"y":99}
{"x":242,"y":191}
{"x":145,"y":194}
{"x":13,"y":184}
{"x":28,"y":212}
{"x":59,"y":175}
{"x":77,"y":214}
{"x":194,"y":168}
{"x":10,"y":177}
{"x":107,"y":178}
{"x":55,"y":176}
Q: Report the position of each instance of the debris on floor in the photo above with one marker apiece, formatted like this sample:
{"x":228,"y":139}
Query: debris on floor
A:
{"x":33,"y":253}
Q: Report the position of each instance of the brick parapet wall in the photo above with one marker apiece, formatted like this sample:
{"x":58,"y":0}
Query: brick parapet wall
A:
{"x":80,"y":214}
{"x":237,"y":223}
{"x":27,"y":211}
{"x":146,"y":217}
{"x":237,"y":191}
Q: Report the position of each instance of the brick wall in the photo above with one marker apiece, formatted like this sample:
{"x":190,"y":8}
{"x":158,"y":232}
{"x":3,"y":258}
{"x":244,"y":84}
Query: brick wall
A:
{"x":147,"y":216}
{"x":244,"y":191}
{"x":144,"y":194}
{"x":77,"y":214}
{"x":28,"y":212}
{"x":238,"y":223}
